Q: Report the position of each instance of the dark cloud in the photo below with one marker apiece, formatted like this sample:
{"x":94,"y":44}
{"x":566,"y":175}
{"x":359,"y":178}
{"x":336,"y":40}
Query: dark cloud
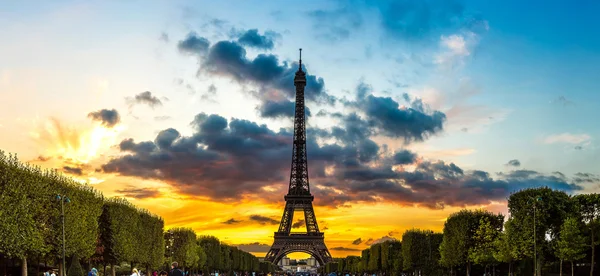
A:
{"x":255,"y":247}
{"x":43,"y":158}
{"x":228,"y":58}
{"x":336,"y":25}
{"x":236,"y":159}
{"x":231,"y":221}
{"x":412,"y":123}
{"x":382,"y":239}
{"x":586,"y":178}
{"x":252,"y":38}
{"x":263,"y":220}
{"x":73,"y":170}
{"x":514,"y":163}
{"x":211,"y":92}
{"x":107,"y":117}
{"x":404,"y":157}
{"x":369,"y":242}
{"x":144,"y":98}
{"x":298,"y":224}
{"x":578,"y":147}
{"x":240,"y":157}
{"x":344,"y":249}
{"x":357,"y":241}
{"x":139,"y":193}
{"x":193,"y":44}
{"x":280,"y":109}
{"x":230,"y":160}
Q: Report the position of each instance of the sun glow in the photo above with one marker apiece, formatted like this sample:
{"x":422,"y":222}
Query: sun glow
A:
{"x":79,"y":146}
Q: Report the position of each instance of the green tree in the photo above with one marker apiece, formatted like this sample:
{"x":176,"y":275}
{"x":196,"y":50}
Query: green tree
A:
{"x":548,"y":208}
{"x":374,"y":263}
{"x":420,"y":251}
{"x":117,"y":237}
{"x":364,"y":260}
{"x":484,"y":247}
{"x":180,"y":245}
{"x":75,"y":269}
{"x":22,"y":217}
{"x":212,"y":248}
{"x":504,"y":246}
{"x":396,"y":261}
{"x":589,"y":210}
{"x":459,"y":233}
{"x":571,"y":244}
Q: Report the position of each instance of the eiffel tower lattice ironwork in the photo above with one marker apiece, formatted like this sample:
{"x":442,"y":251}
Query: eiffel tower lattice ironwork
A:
{"x":299,"y":197}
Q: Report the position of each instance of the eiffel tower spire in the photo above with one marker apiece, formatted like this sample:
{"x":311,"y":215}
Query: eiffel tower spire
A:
{"x":299,"y":197}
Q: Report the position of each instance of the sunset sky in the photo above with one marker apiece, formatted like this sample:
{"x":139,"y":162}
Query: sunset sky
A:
{"x":416,"y":108}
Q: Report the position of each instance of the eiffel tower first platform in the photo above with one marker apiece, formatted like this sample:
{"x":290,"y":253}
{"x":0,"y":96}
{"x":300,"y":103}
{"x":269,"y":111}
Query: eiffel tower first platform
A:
{"x":299,"y":197}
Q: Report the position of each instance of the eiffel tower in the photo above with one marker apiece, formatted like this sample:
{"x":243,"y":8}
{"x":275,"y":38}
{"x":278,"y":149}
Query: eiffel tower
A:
{"x":299,"y":197}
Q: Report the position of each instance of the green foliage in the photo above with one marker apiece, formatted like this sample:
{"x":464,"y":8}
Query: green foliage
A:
{"x":181,"y":246}
{"x":226,"y":261}
{"x":484,"y":247}
{"x":364,"y":260}
{"x":201,"y":257}
{"x":571,"y":244}
{"x":420,"y":251}
{"x":503,"y":245}
{"x":22,"y":216}
{"x":30,"y":214}
{"x":118,"y":223}
{"x":375,"y":257}
{"x":459,"y":235}
{"x":212,"y":248}
{"x":75,"y":269}
{"x":551,"y":209}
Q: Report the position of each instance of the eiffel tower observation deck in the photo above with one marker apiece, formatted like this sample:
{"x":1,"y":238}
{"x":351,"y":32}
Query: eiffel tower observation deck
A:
{"x":299,"y":197}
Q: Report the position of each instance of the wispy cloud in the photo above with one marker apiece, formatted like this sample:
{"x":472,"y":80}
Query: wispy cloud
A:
{"x":567,"y":138}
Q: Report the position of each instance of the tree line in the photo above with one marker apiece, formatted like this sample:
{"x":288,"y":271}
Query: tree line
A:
{"x":100,"y":232}
{"x":546,"y":230}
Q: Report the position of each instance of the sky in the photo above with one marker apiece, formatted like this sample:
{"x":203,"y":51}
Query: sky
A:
{"x":416,"y":109}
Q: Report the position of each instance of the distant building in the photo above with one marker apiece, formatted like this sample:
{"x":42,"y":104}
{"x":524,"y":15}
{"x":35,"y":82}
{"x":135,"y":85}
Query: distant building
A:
{"x":303,"y":265}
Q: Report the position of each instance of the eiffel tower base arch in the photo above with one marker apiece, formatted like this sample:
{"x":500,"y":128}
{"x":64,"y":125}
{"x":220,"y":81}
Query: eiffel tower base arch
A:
{"x":288,"y":243}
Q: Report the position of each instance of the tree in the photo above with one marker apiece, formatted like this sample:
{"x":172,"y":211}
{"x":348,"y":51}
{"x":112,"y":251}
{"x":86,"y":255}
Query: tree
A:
{"x":571,"y":244}
{"x":212,"y":248}
{"x":374,"y":263}
{"x":364,"y":260}
{"x":483,"y":249}
{"x":75,"y":269}
{"x":396,"y":262}
{"x":589,"y":209}
{"x":503,"y":246}
{"x":420,"y":251}
{"x":459,"y":233}
{"x":22,"y":217}
{"x":118,"y":239}
{"x":180,"y":246}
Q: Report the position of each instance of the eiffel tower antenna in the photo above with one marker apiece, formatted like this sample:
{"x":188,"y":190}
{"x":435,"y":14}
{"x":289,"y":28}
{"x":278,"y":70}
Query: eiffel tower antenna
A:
{"x":299,"y":197}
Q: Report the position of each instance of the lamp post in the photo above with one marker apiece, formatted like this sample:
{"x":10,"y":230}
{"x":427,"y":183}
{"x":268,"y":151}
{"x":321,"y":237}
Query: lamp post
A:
{"x":63,"y":199}
{"x":535,"y":268}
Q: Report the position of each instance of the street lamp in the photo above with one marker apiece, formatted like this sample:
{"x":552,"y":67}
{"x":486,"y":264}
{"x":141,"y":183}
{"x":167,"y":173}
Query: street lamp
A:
{"x":535,"y":268}
{"x":63,"y":199}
